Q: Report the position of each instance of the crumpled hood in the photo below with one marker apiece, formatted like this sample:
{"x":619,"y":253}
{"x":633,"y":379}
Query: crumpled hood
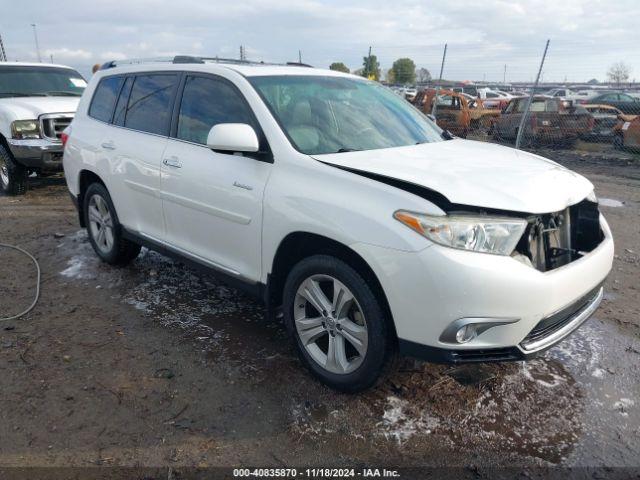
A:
{"x":474,"y":173}
{"x":28,"y":108}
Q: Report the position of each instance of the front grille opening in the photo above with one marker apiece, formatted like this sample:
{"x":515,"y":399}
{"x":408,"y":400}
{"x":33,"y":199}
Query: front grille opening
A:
{"x":52,"y":127}
{"x":549,"y":325}
{"x":484,"y":355}
{"x":556,"y":239}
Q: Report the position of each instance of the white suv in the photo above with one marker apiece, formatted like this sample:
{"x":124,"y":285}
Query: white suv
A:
{"x":37,"y":102}
{"x":329,"y":196}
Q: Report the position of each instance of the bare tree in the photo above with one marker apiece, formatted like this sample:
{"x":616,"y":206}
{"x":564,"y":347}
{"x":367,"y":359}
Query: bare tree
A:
{"x":619,"y":73}
{"x":423,"y":75}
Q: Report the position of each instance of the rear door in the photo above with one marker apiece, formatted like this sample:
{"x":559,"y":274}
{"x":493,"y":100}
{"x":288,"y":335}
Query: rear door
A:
{"x":141,"y":127}
{"x":212,"y":201}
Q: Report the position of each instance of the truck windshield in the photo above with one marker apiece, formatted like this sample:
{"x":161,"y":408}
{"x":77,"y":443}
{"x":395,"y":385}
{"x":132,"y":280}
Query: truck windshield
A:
{"x":24,"y":81}
{"x":336,"y":114}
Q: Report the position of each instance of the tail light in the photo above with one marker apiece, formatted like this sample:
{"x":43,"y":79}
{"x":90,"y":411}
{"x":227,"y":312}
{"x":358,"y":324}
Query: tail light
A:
{"x":64,"y":136}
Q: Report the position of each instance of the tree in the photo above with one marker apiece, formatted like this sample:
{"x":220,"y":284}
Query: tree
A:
{"x":423,"y":75}
{"x":619,"y":72}
{"x":339,"y":67}
{"x":391,"y":76}
{"x":371,"y":68}
{"x":593,"y":81}
{"x":404,"y":71}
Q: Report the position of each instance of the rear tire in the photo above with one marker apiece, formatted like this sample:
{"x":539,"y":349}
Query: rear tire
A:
{"x":104,"y":229}
{"x":336,"y":323}
{"x":13,"y":176}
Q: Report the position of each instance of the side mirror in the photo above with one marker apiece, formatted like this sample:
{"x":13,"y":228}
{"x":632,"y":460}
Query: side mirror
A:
{"x":233,"y":137}
{"x":431,"y":117}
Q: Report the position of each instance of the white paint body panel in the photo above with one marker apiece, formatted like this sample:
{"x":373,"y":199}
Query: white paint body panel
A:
{"x":234,"y":211}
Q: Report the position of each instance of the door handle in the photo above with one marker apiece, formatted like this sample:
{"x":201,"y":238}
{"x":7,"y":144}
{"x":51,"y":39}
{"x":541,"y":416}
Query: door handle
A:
{"x":108,"y":146}
{"x":172,"y":162}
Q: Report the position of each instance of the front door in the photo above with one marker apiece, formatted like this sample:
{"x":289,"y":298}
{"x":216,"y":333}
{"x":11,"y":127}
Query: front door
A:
{"x":212,"y":201}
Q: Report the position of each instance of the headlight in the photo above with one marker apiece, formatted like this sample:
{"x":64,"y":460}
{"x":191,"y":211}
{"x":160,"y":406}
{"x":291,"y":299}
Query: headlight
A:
{"x":22,"y":129}
{"x":479,"y":234}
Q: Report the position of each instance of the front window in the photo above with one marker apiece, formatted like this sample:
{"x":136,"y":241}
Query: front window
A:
{"x":19,"y":81}
{"x":336,"y":114}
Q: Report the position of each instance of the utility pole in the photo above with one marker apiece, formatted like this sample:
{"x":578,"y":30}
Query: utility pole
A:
{"x":51,"y":57}
{"x":368,"y":71}
{"x":299,"y":56}
{"x":3,"y":53}
{"x":434,"y":110}
{"x":504,"y":75}
{"x":35,"y":35}
{"x":243,"y":54}
{"x":525,"y":115}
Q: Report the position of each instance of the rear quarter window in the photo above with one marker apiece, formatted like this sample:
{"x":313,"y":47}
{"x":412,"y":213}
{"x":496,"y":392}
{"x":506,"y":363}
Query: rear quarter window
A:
{"x":149,"y":107}
{"x":104,"y":98}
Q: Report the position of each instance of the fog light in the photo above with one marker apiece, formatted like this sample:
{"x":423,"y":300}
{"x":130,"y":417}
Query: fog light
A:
{"x":466,"y":333}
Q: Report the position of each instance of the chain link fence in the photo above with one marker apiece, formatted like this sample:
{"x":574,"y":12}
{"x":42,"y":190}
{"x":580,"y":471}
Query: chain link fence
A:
{"x":582,"y":115}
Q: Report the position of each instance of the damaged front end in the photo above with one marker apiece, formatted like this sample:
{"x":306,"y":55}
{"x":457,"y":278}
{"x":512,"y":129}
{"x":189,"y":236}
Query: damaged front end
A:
{"x":556,"y":239}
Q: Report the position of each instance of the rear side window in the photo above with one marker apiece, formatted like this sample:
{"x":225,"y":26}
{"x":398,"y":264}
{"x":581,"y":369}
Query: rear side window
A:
{"x":207,"y":102}
{"x":149,"y":107}
{"x":104,"y":98}
{"x":121,"y":107}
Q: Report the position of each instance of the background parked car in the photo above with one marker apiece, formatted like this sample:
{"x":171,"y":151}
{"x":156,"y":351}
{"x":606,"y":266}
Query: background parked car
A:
{"x":622,"y":101}
{"x":626,"y":134}
{"x":605,"y":117}
{"x":551,"y":120}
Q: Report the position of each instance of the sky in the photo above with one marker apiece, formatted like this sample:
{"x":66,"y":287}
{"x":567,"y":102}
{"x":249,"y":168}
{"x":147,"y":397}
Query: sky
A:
{"x":482,"y":36}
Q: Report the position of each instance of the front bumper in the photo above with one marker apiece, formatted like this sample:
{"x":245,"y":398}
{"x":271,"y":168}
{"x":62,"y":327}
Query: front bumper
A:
{"x":37,"y":153}
{"x":429,"y":290}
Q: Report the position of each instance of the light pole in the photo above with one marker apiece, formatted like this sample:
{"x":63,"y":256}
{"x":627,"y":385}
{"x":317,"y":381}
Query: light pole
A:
{"x":35,"y":35}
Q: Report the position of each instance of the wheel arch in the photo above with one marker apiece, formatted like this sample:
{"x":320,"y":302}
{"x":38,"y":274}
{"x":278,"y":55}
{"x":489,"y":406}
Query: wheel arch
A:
{"x":86,"y":178}
{"x":299,"y":245}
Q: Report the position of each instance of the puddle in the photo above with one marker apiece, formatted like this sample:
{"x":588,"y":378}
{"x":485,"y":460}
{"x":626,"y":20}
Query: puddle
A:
{"x":609,"y":202}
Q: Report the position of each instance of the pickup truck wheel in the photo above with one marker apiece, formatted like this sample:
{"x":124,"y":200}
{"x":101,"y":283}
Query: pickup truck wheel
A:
{"x":336,"y":322}
{"x":13,"y":176}
{"x":105,"y":232}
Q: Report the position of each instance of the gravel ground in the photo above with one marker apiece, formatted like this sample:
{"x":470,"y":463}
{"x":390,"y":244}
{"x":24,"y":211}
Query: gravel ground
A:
{"x":158,"y":365}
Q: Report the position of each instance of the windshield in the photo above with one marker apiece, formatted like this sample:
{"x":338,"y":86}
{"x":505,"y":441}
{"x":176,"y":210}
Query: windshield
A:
{"x":336,"y":114}
{"x":22,"y":81}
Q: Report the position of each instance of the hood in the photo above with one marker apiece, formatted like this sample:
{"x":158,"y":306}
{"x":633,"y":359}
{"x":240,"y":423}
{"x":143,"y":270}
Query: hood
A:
{"x":475,"y":174}
{"x":27,"y":108}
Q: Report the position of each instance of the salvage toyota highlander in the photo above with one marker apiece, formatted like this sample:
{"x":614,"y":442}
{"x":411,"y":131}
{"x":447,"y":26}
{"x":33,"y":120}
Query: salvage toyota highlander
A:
{"x":341,"y":205}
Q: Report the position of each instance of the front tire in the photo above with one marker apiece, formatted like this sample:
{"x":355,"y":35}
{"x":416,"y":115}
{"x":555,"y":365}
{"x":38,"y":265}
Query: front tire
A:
{"x":13,"y":176}
{"x":104,"y":229}
{"x":337,"y":324}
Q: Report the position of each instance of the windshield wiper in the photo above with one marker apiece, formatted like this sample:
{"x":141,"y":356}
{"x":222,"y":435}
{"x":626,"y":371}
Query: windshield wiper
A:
{"x":447,"y":135}
{"x":344,"y":150}
{"x":23,"y":94}
{"x":61,"y":93}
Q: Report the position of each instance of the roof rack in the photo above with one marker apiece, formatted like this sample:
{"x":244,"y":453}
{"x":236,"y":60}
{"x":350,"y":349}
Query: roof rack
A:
{"x":192,"y":59}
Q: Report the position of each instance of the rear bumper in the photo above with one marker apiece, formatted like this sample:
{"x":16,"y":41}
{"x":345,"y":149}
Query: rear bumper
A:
{"x":37,"y":153}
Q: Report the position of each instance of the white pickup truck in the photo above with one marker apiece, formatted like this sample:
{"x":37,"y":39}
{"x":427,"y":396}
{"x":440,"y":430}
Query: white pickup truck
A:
{"x":37,"y":102}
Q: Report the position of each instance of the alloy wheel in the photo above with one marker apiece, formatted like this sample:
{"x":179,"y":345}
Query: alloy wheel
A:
{"x":330,"y":324}
{"x":101,"y":223}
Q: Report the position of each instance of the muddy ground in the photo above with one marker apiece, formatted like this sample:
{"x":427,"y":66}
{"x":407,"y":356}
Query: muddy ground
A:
{"x":159,"y":365}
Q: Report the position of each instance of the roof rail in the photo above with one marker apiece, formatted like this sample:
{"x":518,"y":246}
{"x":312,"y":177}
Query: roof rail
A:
{"x":193,"y":59}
